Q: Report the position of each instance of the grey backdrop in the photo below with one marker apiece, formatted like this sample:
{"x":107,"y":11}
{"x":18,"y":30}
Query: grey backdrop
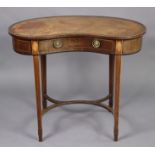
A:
{"x":76,"y":76}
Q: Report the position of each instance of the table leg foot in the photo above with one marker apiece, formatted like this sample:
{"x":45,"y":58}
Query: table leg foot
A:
{"x":116,"y":135}
{"x":40,"y":135}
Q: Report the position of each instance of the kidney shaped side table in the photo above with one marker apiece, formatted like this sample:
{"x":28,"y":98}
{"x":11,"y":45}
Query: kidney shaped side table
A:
{"x":105,"y":35}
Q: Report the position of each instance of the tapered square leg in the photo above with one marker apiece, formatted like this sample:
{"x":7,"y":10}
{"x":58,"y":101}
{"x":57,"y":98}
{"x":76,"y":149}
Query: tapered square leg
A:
{"x":44,"y":78}
{"x":116,"y":89}
{"x":117,"y":68}
{"x":36,"y":63}
{"x":111,"y":81}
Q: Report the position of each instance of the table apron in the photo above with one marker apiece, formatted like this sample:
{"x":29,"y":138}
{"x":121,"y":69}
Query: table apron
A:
{"x":69,"y":44}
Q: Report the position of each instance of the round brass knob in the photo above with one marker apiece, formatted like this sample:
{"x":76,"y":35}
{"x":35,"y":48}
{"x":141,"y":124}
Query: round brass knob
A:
{"x":57,"y":43}
{"x":96,"y":43}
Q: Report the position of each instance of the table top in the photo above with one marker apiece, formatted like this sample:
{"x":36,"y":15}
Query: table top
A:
{"x":67,"y":26}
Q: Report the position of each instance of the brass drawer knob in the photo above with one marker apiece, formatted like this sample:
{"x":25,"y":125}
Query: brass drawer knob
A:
{"x":96,"y":43}
{"x":57,"y":43}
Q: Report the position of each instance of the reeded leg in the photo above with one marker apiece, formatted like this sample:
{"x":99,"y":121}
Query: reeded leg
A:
{"x":43,"y":76}
{"x":37,"y":87}
{"x":116,"y":95}
{"x":111,"y":81}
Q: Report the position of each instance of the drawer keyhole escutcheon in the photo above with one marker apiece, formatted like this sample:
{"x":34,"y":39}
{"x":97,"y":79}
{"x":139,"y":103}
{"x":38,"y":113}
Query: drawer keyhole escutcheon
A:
{"x":96,"y":43}
{"x":57,"y":43}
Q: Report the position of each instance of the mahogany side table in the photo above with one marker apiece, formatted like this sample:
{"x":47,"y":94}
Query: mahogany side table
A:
{"x":105,"y":35}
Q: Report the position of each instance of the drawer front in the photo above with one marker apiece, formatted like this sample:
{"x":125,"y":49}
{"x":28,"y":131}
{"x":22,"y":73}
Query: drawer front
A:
{"x":77,"y":44}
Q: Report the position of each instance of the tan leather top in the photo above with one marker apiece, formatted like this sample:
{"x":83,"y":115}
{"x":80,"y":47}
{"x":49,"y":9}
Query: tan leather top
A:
{"x":51,"y":27}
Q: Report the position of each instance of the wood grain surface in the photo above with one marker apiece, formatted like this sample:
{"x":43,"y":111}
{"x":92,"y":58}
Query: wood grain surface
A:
{"x":51,"y":27}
